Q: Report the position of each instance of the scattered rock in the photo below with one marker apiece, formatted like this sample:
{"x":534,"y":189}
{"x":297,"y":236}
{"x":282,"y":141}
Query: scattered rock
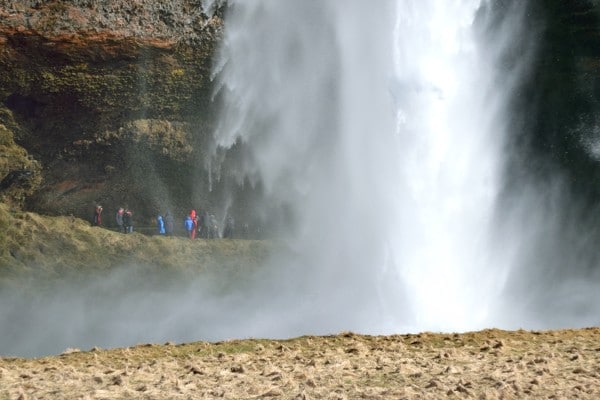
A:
{"x":117,"y":380}
{"x":237,"y":369}
{"x":195,"y":370}
{"x":420,"y":373}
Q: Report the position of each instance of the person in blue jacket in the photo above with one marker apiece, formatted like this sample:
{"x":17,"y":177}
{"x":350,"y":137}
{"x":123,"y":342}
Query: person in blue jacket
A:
{"x":189,"y":226}
{"x":161,"y":225}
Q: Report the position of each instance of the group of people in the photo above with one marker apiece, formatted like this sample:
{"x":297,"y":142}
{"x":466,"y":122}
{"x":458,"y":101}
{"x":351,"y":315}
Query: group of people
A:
{"x":124,"y":220}
{"x":206,"y":226}
{"x":197,"y":225}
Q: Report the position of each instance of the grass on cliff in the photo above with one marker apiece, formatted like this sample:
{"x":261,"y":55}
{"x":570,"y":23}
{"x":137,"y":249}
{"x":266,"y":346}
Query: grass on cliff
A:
{"x":31,"y":242}
{"x":15,"y":158}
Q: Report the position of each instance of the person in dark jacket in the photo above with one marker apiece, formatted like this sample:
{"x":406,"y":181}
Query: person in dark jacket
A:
{"x":128,"y":221}
{"x":119,"y":219}
{"x":229,"y":225}
{"x":205,"y":225}
{"x":169,"y":223}
{"x":214,"y":227}
{"x":200,"y":224}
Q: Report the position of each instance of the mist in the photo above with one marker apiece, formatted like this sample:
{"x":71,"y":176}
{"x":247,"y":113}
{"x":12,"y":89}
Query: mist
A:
{"x":391,"y":136}
{"x":134,"y":304}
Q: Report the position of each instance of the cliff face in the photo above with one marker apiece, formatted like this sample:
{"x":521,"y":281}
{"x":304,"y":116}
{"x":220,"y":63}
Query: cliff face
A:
{"x":111,"y":98}
{"x":563,"y":93}
{"x":109,"y":101}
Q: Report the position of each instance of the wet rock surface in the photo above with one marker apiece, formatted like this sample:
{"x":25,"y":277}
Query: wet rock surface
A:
{"x":102,"y":95}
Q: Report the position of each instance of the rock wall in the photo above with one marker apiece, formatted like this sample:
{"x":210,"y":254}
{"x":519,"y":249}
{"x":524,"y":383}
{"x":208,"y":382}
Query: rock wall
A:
{"x":562,"y":96}
{"x":110,"y":102}
{"x":110,"y":98}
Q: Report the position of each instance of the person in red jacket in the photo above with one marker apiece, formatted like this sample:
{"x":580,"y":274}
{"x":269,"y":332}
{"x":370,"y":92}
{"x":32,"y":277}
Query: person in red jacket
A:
{"x":98,"y":216}
{"x":194,"y":224}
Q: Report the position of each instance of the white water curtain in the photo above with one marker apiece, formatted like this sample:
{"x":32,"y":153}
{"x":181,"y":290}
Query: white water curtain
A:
{"x":381,"y":126}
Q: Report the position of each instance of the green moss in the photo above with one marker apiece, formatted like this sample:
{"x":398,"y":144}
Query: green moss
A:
{"x":55,"y":244}
{"x":177,"y":73}
{"x":15,"y":158}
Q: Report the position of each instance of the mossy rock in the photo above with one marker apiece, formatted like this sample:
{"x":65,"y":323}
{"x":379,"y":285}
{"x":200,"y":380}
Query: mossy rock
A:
{"x":19,"y":173}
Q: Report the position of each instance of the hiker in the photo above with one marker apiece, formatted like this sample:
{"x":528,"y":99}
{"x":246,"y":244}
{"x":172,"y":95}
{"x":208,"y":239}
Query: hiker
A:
{"x":97,"y":216}
{"x":229,"y":225}
{"x":128,"y":221}
{"x":194,"y":224}
{"x":204,"y":225}
{"x":201,"y":225}
{"x":161,"y":225}
{"x":119,"y":219}
{"x":189,"y":226}
{"x":214,"y":227}
{"x":169,"y":223}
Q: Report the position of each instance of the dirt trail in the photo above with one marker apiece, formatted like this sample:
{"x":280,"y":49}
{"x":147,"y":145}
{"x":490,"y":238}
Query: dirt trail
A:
{"x":490,"y":364}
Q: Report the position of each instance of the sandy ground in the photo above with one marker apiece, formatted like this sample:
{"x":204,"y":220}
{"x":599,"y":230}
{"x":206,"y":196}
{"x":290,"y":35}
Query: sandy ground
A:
{"x":490,"y":364}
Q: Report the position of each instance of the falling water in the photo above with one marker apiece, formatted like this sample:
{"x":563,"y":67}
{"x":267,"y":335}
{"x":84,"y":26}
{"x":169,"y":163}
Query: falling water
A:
{"x":449,"y":147}
{"x":381,"y":129}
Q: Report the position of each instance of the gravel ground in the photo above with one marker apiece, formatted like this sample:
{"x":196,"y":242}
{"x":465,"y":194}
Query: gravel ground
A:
{"x":490,"y":364}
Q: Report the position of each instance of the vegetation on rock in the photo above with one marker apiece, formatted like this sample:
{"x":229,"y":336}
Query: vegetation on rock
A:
{"x":50,"y":246}
{"x":19,"y":173}
{"x":91,"y":87}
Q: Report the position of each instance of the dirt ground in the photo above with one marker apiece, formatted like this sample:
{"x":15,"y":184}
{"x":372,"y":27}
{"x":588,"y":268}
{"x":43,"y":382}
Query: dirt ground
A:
{"x":490,"y":364}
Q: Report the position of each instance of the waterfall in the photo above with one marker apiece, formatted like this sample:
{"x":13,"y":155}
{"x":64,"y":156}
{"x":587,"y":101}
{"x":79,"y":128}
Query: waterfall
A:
{"x":381,"y":130}
{"x":449,"y":146}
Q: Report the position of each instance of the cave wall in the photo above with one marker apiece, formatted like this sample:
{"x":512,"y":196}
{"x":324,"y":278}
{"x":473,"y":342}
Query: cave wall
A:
{"x":111,"y":99}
